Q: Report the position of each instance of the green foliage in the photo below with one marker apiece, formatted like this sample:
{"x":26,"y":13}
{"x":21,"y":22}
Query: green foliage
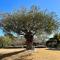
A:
{"x":1,"y":41}
{"x":33,"y":20}
{"x":7,"y":41}
{"x":57,"y":36}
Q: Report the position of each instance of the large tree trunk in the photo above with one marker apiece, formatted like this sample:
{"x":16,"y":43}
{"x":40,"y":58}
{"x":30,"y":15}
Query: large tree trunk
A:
{"x":29,"y":40}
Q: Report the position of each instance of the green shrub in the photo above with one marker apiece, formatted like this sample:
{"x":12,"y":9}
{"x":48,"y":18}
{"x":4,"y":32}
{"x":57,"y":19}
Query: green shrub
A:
{"x":7,"y":41}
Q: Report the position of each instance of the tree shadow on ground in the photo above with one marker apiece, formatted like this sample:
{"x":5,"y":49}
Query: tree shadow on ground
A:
{"x":10,"y":54}
{"x":24,"y":57}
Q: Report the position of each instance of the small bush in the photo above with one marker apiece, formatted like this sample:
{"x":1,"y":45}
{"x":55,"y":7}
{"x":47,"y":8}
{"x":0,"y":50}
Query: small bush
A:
{"x":6,"y":41}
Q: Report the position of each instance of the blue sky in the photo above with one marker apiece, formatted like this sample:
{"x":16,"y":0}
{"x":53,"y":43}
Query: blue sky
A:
{"x":10,"y":5}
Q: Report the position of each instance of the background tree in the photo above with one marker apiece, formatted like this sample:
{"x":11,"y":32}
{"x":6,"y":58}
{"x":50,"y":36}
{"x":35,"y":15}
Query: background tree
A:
{"x":7,"y":41}
{"x":1,"y":41}
{"x":29,"y":22}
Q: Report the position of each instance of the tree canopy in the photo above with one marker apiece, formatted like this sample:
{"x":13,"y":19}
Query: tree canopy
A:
{"x":33,"y":20}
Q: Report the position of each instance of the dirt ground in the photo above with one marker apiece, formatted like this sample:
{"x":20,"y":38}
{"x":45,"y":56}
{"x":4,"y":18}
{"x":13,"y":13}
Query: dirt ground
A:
{"x":36,"y":54}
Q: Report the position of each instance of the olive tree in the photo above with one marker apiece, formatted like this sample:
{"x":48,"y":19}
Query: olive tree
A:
{"x":29,"y":22}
